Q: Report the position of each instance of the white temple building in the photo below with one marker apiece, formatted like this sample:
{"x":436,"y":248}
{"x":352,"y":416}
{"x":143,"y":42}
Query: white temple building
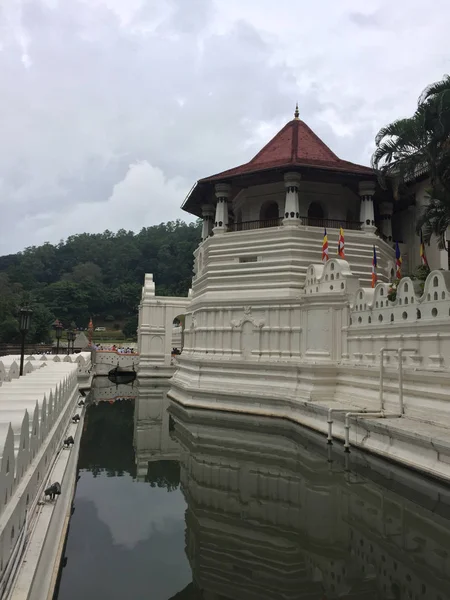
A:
{"x":272,"y":331}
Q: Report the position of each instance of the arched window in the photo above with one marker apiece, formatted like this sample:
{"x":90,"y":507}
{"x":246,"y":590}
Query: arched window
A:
{"x":315,"y":215}
{"x":269,"y":214}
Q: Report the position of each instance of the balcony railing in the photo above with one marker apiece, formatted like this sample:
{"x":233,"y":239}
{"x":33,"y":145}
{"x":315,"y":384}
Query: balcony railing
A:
{"x":308,"y":221}
{"x":247,"y":225}
{"x":331,"y":223}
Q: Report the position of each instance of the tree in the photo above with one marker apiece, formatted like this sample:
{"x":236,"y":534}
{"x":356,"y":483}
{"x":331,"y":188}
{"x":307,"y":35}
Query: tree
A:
{"x":96,"y":274}
{"x":9,"y":329}
{"x":86,"y":272}
{"x":130,"y":327}
{"x":164,"y":474}
{"x":420,"y":144}
{"x":435,"y":218}
{"x":41,"y":322}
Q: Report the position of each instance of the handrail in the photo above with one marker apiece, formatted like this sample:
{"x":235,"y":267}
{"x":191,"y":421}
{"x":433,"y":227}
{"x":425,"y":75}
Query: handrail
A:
{"x":331,"y":223}
{"x":306,"y":221}
{"x":259,"y":224}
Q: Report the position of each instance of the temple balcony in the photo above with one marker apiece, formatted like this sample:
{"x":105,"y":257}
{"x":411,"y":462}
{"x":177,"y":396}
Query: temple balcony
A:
{"x":268,"y":260}
{"x":307,"y":221}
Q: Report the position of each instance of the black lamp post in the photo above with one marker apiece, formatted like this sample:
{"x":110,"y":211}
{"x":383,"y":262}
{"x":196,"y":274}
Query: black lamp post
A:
{"x":24,"y":326}
{"x":73,"y":327}
{"x":70,"y":340}
{"x":57,"y":325}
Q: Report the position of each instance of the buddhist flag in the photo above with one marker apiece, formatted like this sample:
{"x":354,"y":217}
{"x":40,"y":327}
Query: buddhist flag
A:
{"x":325,"y":255}
{"x":398,"y":262}
{"x":423,"y":256}
{"x":341,"y":244}
{"x":374,"y":268}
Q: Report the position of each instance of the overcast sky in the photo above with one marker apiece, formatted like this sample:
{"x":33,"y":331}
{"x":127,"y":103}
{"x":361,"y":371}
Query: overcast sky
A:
{"x":112,"y":109}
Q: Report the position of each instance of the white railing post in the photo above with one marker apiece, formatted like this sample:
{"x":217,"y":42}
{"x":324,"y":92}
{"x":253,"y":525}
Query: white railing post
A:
{"x":400,"y":377}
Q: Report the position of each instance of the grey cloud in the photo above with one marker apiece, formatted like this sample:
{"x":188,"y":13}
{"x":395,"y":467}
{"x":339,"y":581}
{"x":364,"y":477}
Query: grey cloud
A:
{"x":374,"y":19}
{"x":110,"y":114}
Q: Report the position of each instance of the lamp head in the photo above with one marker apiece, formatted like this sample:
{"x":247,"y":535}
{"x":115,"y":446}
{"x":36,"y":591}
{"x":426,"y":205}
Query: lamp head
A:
{"x":25,"y":319}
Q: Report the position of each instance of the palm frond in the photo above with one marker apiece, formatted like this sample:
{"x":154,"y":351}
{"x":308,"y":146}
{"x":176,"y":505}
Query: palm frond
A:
{"x":435,"y":216}
{"x":435,"y":89}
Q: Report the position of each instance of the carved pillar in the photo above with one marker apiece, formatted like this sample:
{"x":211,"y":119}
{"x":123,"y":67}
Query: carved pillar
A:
{"x":386,"y":209}
{"x":366,"y":192}
{"x":222,"y":191}
{"x":291,"y":205}
{"x":208,"y":220}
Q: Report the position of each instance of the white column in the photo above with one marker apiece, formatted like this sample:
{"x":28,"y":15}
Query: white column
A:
{"x":386,"y":209}
{"x":366,"y":192}
{"x":291,"y":205}
{"x":222,"y":191}
{"x":208,"y":220}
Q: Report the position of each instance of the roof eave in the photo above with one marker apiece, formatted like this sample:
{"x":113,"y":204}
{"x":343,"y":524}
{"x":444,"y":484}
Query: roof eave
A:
{"x":228,"y":175}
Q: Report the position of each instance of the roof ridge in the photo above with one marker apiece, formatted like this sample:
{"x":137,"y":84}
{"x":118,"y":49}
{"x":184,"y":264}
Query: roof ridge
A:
{"x":294,"y":148}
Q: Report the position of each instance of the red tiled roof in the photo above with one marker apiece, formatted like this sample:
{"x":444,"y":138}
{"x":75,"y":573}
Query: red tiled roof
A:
{"x":295,"y":145}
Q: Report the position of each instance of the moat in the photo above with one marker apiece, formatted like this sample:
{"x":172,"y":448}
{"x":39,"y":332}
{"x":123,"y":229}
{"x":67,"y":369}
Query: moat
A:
{"x":172,"y":504}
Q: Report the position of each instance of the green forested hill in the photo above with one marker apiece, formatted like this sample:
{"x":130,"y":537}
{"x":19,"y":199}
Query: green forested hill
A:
{"x":98,"y":275}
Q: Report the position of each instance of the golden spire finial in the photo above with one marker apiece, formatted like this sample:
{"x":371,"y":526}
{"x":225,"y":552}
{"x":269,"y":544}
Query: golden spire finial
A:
{"x":296,"y":114}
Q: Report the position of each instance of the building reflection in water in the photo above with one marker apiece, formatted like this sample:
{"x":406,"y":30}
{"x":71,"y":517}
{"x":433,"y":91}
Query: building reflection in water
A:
{"x":269,"y":517}
{"x":155,"y":449}
{"x":269,"y":514}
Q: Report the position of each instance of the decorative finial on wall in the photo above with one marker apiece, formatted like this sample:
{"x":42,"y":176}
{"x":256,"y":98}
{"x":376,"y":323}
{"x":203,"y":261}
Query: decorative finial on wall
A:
{"x":296,"y":114}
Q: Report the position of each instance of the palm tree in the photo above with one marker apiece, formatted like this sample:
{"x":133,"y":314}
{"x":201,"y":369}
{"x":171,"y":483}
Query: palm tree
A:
{"x":420,"y":144}
{"x":402,"y":148}
{"x":435,"y":219}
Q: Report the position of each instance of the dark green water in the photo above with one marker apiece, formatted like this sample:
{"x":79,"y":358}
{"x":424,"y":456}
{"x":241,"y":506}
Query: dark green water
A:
{"x":214,"y":507}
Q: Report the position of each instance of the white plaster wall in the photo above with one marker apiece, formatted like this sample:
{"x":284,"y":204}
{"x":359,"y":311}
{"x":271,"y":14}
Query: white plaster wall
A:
{"x":273,"y":356}
{"x":405,"y":225}
{"x":155,"y":330}
{"x":105,"y":360}
{"x":27,"y":453}
{"x":335,"y":200}
{"x":271,"y":263}
{"x":250,"y":201}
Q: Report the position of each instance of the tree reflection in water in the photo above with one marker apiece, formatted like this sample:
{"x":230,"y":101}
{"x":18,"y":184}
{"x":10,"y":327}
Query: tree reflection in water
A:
{"x":107,"y":436}
{"x":164,"y":474}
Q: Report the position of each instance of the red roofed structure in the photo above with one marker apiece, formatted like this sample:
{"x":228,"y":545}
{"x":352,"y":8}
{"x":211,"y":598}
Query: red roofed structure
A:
{"x":296,"y":145}
{"x":296,"y":148}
